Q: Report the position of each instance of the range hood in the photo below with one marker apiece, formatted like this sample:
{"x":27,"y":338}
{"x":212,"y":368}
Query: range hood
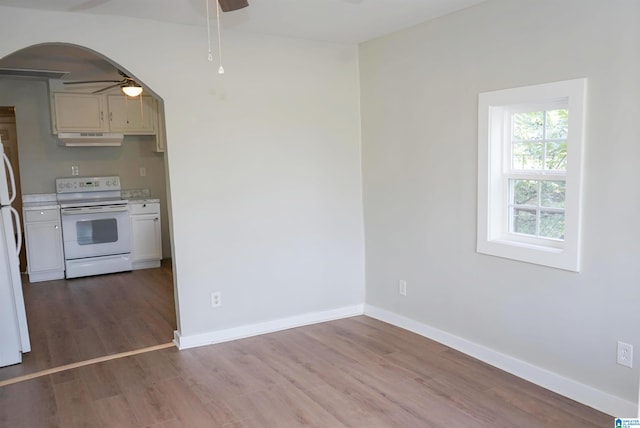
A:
{"x":90,"y":139}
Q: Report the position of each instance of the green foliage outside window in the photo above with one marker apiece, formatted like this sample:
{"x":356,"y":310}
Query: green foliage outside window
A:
{"x":539,"y":144}
{"x":540,"y":140}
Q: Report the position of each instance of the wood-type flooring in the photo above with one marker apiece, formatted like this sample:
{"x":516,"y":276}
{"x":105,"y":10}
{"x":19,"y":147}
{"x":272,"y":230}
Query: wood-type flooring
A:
{"x":83,"y":318}
{"x":355,"y":372}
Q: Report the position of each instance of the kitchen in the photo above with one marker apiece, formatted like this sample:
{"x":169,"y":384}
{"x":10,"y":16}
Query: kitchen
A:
{"x":137,"y":162}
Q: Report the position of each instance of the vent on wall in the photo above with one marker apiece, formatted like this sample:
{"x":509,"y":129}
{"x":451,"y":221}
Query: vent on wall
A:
{"x":25,"y":72}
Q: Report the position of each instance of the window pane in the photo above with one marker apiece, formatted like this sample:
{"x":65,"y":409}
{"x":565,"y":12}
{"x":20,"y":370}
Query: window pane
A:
{"x":556,"y":159}
{"x":557,"y":124}
{"x":527,"y":155}
{"x":524,"y":221}
{"x":525,"y":192}
{"x":552,"y":194}
{"x":528,"y":126}
{"x":552,"y":225}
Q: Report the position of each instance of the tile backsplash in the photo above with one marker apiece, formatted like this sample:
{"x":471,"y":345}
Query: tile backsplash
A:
{"x":135,"y":193}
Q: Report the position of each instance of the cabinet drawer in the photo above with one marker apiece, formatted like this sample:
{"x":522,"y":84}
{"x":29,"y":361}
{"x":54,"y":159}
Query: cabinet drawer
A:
{"x":41,"y":215}
{"x":151,"y":208}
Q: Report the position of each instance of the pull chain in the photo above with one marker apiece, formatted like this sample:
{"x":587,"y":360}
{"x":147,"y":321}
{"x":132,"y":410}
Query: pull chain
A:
{"x":221,"y":69}
{"x":210,"y":57}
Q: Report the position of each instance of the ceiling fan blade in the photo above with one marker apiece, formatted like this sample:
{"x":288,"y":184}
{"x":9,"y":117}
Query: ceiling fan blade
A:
{"x":124,"y":76}
{"x":231,"y":5}
{"x":92,"y":81}
{"x":107,"y":88}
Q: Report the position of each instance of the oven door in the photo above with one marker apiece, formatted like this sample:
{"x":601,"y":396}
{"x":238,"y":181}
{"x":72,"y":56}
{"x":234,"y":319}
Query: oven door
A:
{"x":95,"y":231}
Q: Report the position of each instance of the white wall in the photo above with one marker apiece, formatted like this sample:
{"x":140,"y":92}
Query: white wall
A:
{"x":263,"y":162}
{"x":419,"y":124}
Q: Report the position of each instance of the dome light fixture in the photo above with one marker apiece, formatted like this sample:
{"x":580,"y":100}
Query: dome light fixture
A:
{"x":132,"y":89}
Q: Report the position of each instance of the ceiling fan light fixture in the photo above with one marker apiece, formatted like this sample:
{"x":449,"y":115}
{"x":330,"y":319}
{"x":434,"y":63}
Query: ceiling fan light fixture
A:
{"x":132,"y":89}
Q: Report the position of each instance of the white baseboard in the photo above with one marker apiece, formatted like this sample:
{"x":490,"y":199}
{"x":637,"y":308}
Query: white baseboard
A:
{"x":147,"y":264}
{"x":45,"y":276}
{"x":577,"y":391}
{"x":194,"y":340}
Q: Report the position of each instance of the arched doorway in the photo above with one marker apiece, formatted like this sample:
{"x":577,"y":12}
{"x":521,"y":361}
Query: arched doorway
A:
{"x":72,"y":320}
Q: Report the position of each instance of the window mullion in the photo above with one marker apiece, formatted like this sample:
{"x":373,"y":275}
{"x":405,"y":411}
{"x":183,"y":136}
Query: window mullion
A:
{"x":544,"y":140}
{"x":538,"y":207}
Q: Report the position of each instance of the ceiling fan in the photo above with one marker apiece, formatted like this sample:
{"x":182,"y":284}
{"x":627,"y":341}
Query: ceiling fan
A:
{"x":127,"y":84}
{"x":226,"y":6}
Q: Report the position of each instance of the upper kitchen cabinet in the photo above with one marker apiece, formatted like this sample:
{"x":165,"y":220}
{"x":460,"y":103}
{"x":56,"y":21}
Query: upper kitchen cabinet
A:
{"x":131,"y":115}
{"x":78,"y":113}
{"x":74,"y":112}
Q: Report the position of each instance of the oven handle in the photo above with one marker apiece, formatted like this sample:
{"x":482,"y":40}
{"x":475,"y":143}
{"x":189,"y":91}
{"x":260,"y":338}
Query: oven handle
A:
{"x":94,"y":210}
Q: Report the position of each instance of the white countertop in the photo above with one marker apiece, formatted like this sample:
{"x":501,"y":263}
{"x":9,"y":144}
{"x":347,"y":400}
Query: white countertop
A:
{"x":49,"y":201}
{"x":40,"y":201}
{"x":35,"y":206}
{"x":144,"y":200}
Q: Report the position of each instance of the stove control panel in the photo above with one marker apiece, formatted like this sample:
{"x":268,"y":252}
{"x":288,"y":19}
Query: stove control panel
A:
{"x":87,"y":184}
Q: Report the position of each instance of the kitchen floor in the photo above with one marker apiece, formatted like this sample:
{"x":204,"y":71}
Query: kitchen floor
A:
{"x":83,"y":318}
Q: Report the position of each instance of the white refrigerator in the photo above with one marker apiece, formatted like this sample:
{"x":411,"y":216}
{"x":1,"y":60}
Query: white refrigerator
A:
{"x":14,"y":334}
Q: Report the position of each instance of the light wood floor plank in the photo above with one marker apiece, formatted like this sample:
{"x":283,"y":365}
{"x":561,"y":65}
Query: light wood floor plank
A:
{"x":355,"y":372}
{"x":114,"y":411}
{"x":14,"y":412}
{"x":277,"y":406}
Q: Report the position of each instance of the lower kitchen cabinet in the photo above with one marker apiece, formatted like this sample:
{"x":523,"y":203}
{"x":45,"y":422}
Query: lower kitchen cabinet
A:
{"x":146,"y":237}
{"x":43,"y":240}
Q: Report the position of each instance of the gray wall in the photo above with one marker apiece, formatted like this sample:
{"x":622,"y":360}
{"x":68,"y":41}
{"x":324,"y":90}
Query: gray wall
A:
{"x":263,"y":162}
{"x":419,"y":92}
{"x":42,"y":160}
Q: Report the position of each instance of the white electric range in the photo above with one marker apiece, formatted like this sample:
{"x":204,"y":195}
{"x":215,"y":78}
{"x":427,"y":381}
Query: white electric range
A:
{"x":95,"y":225}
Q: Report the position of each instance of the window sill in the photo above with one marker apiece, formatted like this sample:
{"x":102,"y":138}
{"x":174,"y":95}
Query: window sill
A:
{"x":527,"y":245}
{"x":559,"y":258}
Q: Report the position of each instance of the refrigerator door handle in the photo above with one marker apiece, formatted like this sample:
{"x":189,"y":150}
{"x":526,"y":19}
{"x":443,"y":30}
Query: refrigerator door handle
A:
{"x":18,"y":230}
{"x":12,"y":179}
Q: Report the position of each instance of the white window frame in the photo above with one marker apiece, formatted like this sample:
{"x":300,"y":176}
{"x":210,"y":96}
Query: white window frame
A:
{"x":494,"y":237}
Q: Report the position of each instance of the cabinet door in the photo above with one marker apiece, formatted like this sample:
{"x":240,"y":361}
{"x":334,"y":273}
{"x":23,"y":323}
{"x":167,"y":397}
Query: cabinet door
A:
{"x":146,"y":240}
{"x":131,"y":115}
{"x":160,"y":128}
{"x":78,"y":113}
{"x":44,"y":246}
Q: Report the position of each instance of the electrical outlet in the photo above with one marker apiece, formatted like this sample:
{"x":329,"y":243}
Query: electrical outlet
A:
{"x":143,"y":171}
{"x":216,"y":299}
{"x":402,"y":287}
{"x":625,"y":354}
{"x":75,"y":170}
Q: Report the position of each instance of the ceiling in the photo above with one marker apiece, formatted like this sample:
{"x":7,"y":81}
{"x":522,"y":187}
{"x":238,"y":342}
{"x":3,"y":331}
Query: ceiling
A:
{"x":350,"y":21}
{"x":341,"y":21}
